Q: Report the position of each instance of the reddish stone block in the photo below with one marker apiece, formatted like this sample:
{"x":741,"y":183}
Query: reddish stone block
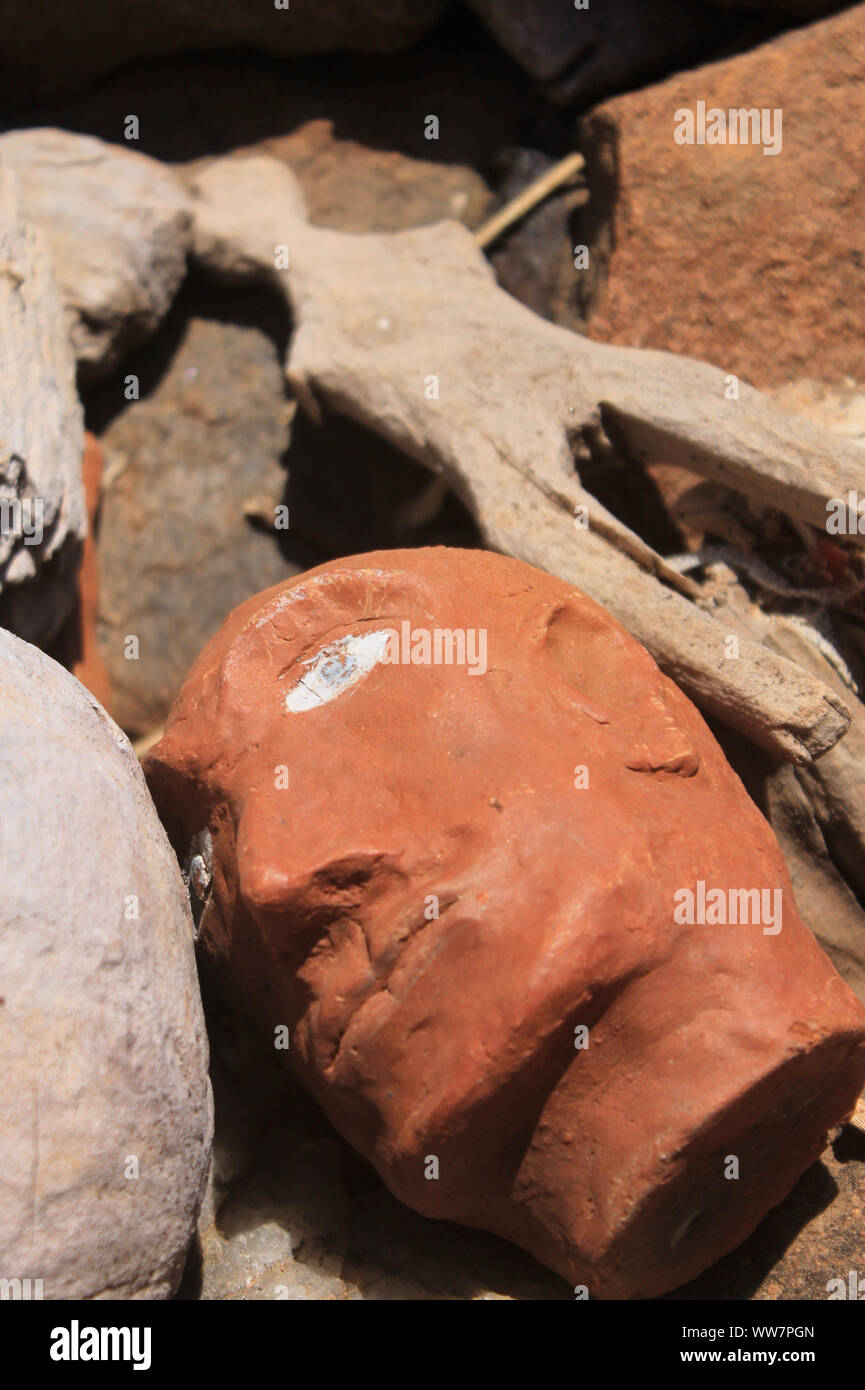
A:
{"x":763,"y":253}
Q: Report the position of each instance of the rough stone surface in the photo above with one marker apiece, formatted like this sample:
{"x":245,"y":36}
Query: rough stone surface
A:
{"x":193,"y":474}
{"x":372,"y":892}
{"x":119,"y":227}
{"x":765,"y":252}
{"x":90,"y":37}
{"x":41,"y":432}
{"x":101,"y":1026}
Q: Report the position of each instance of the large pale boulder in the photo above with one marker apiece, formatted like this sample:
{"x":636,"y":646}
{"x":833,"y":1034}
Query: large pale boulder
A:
{"x":105,"y":1109}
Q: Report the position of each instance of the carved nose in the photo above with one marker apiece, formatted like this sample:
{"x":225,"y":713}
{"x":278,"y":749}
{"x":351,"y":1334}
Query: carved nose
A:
{"x":264,"y":886}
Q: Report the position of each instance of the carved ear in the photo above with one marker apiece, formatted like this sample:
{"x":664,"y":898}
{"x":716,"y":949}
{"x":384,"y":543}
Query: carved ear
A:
{"x":600,"y":672}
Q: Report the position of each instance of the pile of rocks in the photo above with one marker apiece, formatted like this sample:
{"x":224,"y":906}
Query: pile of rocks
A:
{"x":302,"y":342}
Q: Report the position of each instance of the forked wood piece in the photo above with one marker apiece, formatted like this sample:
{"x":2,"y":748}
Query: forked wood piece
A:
{"x":409,"y":334}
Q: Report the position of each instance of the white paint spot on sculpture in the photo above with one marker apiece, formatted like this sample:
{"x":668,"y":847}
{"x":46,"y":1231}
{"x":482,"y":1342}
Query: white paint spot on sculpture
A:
{"x":336,"y":668}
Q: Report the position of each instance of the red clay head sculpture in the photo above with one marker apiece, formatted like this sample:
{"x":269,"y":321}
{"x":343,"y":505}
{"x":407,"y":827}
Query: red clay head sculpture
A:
{"x":536,"y":950}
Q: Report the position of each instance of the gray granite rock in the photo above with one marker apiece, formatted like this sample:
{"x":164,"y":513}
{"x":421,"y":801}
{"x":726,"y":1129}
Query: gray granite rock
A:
{"x":193,"y":472}
{"x":583,"y":55}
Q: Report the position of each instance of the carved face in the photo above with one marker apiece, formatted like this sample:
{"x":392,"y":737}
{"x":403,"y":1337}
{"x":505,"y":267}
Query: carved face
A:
{"x":434,"y":871}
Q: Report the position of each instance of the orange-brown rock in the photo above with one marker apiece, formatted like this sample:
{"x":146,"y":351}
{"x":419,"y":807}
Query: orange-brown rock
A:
{"x":462,"y":887}
{"x":77,"y":646}
{"x":722,"y":252}
{"x":89,"y":667}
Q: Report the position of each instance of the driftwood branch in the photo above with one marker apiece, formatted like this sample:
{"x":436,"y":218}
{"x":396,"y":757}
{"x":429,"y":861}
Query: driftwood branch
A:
{"x":410,"y":335}
{"x":41,"y":427}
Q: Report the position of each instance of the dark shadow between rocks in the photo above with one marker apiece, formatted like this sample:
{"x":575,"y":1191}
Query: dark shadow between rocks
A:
{"x":349,"y":491}
{"x":218,"y":99}
{"x":37,"y":609}
{"x":849,"y":1147}
{"x":189,"y":1289}
{"x":631,"y":494}
{"x":202,"y":104}
{"x":250,"y":306}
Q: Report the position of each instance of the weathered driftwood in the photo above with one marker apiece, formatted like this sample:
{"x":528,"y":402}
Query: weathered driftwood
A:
{"x":834,"y":782}
{"x":816,"y":811}
{"x":41,"y":429}
{"x":118,"y":227}
{"x":823,"y":895}
{"x":409,"y":335}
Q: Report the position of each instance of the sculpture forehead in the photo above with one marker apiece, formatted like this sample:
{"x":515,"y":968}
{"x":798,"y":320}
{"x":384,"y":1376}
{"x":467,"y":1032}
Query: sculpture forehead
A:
{"x":470,"y":593}
{"x":317,"y":640}
{"x":473,"y":641}
{"x":448,"y":587}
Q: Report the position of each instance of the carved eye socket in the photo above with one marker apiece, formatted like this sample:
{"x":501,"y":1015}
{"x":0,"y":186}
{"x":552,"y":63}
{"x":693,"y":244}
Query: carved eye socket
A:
{"x":198,"y":876}
{"x":336,"y":668}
